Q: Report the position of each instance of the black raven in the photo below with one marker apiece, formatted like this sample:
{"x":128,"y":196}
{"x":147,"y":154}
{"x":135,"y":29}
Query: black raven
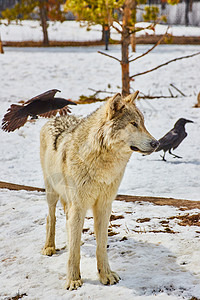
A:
{"x":173,"y":138}
{"x":44,"y":105}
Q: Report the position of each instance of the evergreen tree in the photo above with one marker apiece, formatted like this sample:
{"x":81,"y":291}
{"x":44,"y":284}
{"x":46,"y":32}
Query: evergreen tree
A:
{"x":46,"y":9}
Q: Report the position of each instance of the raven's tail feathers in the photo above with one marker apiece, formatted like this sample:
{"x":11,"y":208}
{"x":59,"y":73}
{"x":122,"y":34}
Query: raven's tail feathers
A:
{"x":14,"y":118}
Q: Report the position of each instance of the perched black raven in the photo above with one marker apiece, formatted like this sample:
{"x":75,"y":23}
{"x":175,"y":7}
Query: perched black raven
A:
{"x":173,"y":138}
{"x":44,"y":105}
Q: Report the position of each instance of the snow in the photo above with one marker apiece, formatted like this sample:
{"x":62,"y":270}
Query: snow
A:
{"x":71,"y":31}
{"x":153,"y":263}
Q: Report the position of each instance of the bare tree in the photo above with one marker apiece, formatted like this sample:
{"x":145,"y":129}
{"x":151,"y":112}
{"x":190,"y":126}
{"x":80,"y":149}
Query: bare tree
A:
{"x":43,"y":18}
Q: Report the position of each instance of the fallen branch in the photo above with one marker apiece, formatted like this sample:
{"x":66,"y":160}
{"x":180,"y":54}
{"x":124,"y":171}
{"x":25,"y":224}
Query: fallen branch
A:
{"x":156,"y":97}
{"x":177,"y":89}
{"x":198,"y":101}
{"x":139,"y":97}
{"x":100,"y":91}
{"x":189,"y":204}
{"x":164,"y":64}
{"x":170,"y":92}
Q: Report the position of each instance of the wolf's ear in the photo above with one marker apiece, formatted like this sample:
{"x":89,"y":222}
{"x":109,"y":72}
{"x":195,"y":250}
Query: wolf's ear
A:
{"x":114,"y":105}
{"x":132,"y":97}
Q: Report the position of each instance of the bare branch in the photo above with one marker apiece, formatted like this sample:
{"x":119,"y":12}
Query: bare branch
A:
{"x":101,"y":91}
{"x":137,"y":29}
{"x":170,"y":92}
{"x":154,"y":46}
{"x":117,"y":29}
{"x":109,"y":56}
{"x":164,"y":64}
{"x":177,"y":89}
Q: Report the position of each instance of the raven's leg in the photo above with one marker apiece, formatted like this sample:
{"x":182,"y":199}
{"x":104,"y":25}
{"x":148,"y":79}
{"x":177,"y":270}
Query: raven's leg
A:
{"x":174,"y":155}
{"x":163,"y":157}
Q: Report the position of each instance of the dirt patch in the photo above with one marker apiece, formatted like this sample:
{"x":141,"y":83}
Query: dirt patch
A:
{"x":188,"y":220}
{"x":143,"y":220}
{"x":115,"y":217}
{"x":18,"y":296}
{"x":85,"y":230}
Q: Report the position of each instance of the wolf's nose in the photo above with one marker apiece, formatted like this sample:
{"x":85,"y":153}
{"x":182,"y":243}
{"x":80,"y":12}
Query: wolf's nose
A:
{"x":154,"y":144}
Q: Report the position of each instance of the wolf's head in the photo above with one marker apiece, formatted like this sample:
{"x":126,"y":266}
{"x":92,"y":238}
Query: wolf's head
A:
{"x":125,"y":127}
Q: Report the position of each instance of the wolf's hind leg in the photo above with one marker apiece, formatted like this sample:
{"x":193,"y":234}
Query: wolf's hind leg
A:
{"x":52,"y":199}
{"x":101,"y":221}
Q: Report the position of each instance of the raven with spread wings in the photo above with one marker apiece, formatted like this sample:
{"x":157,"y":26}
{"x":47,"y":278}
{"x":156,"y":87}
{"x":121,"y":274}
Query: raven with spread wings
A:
{"x":45,"y":105}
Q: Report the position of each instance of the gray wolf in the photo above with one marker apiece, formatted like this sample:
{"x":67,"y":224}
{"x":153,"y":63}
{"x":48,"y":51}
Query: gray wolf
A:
{"x":173,"y":138}
{"x":83,"y":162}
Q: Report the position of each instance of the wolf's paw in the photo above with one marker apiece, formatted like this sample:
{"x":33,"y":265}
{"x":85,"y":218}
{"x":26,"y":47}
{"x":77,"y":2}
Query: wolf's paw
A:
{"x":73,"y":284}
{"x":109,"y":278}
{"x":48,"y":251}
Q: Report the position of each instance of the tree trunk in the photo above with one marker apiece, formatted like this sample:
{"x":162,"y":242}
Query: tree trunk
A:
{"x":191,"y":3}
{"x":43,"y":18}
{"x":1,"y":47}
{"x":125,"y":48}
{"x":187,"y":9}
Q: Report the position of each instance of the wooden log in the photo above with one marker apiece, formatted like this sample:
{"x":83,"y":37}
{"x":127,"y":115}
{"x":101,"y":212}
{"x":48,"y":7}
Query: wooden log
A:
{"x":17,"y":187}
{"x":189,"y":204}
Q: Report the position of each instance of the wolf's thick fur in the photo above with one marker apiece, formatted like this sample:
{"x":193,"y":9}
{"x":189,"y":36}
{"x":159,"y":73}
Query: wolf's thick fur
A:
{"x":83,"y":162}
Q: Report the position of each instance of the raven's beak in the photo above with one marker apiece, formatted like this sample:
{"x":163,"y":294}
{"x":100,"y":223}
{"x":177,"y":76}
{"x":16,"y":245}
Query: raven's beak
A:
{"x":189,"y":121}
{"x":71,"y":102}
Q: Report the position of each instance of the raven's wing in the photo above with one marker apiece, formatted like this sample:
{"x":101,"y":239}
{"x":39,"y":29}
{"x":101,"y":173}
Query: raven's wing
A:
{"x":60,"y":106}
{"x":62,"y":112}
{"x":14,"y":118}
{"x":181,"y":137}
{"x":43,"y":97}
{"x":168,"y":140}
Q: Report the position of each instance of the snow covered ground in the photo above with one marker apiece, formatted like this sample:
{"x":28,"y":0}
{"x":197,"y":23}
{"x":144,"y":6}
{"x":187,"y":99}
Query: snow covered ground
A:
{"x":71,"y":31}
{"x":156,"y":257}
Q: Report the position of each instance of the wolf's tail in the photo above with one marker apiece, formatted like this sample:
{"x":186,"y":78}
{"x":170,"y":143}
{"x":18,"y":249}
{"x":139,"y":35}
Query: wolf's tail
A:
{"x":14,"y":118}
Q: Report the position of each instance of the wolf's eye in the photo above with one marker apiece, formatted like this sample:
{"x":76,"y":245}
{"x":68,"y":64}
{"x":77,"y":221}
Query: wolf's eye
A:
{"x":134,"y":124}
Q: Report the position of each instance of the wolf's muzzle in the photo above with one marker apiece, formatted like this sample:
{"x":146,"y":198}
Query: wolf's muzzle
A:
{"x":153,"y":144}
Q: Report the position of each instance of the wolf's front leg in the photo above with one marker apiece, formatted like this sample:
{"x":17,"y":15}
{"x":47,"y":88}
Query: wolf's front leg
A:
{"x":101,"y":220}
{"x":75,"y":226}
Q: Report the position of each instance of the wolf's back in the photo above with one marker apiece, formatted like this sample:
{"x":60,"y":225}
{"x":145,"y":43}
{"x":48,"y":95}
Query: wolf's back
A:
{"x":57,"y":128}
